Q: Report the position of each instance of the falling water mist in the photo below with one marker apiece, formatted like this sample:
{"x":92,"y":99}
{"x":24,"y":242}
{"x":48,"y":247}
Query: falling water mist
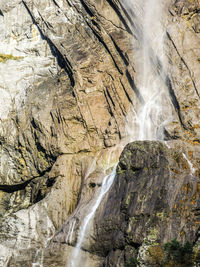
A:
{"x":145,"y":122}
{"x":106,"y":184}
{"x":154,"y":110}
{"x":92,"y":206}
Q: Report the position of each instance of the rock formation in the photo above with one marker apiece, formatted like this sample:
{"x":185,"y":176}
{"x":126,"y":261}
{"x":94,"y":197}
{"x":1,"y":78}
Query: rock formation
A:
{"x":68,"y":81}
{"x":154,"y":199}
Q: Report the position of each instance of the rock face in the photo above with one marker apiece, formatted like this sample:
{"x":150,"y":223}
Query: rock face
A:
{"x":154,"y":199}
{"x":183,"y":44}
{"x":69,"y":77}
{"x":67,"y":83}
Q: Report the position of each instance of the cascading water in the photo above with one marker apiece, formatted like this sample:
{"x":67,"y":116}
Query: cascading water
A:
{"x":147,"y":122}
{"x":106,"y":184}
{"x":191,"y":166}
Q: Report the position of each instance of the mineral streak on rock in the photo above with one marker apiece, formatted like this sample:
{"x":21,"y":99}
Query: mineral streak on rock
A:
{"x":67,"y":81}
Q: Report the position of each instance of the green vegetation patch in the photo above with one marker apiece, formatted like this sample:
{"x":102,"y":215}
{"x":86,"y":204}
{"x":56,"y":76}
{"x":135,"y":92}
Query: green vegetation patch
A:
{"x":131,"y":263}
{"x":5,"y":57}
{"x":171,"y":254}
{"x":174,"y":254}
{"x":180,"y":255}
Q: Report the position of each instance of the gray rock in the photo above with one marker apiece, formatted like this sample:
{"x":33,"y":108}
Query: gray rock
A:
{"x":68,"y":79}
{"x":154,"y":199}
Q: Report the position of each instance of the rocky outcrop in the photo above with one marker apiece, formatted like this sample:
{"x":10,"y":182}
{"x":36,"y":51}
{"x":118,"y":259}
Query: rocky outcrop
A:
{"x":36,"y":130}
{"x":69,"y":77}
{"x":67,"y":83}
{"x":154,"y":199}
{"x":183,"y":41}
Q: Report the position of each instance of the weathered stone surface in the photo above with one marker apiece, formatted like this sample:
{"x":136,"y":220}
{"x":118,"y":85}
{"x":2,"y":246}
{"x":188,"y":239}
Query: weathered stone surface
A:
{"x":82,"y":106}
{"x":68,"y":78}
{"x":58,"y":98}
{"x":184,"y":67}
{"x":154,"y":199}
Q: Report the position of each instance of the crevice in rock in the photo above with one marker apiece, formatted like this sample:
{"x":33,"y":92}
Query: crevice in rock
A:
{"x":133,"y":244}
{"x":108,"y":94}
{"x":63,"y":62}
{"x":21,"y":186}
{"x":55,"y":3}
{"x":1,"y":13}
{"x":126,"y":93}
{"x":49,"y":157}
{"x":40,"y":189}
{"x":15,"y":187}
{"x":197,"y":237}
{"x":39,"y":197}
{"x":108,"y":104}
{"x":69,"y":3}
{"x":174,"y":100}
{"x":87,"y":9}
{"x":47,"y":24}
{"x":123,"y":57}
{"x":36,"y":125}
{"x":133,"y":86}
{"x":168,"y":136}
{"x":195,"y":88}
{"x":117,"y":11}
{"x":107,"y":97}
{"x":118,"y":99}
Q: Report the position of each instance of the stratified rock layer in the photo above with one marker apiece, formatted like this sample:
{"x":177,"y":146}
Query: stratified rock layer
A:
{"x":68,"y":79}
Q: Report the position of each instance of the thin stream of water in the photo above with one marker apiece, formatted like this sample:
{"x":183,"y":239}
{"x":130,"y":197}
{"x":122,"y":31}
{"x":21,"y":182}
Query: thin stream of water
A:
{"x":192,"y":169}
{"x":147,"y":122}
{"x":107,"y":182}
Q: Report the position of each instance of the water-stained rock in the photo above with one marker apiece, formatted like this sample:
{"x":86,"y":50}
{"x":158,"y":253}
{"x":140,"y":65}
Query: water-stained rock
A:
{"x":154,"y":199}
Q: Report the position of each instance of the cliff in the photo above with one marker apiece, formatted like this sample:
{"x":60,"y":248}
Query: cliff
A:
{"x":69,"y":82}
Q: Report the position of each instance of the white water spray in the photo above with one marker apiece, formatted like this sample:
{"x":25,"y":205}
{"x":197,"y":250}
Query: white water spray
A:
{"x":148,"y":121}
{"x":192,"y":169}
{"x":154,"y":111}
{"x":69,"y":236}
{"x":107,"y":182}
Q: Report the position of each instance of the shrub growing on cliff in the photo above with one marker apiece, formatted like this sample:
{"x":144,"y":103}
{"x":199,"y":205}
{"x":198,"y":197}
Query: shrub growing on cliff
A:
{"x":179,"y":255}
{"x":173,"y":254}
{"x":131,"y":263}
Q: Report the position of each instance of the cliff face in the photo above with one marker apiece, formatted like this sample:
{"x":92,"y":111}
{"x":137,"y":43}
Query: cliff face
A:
{"x":69,"y":77}
{"x":67,"y":83}
{"x":154,"y":200}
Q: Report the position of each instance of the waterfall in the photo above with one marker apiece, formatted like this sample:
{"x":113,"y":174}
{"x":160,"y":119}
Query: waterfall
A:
{"x":191,"y":166}
{"x":147,"y":122}
{"x":154,"y":110}
{"x":106,"y":184}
